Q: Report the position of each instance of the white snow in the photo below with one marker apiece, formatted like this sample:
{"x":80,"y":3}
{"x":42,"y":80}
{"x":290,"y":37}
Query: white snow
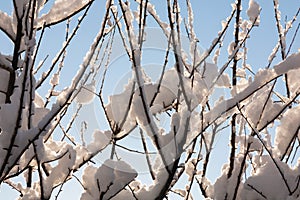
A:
{"x":253,"y":12}
{"x":149,"y":193}
{"x":100,"y":141}
{"x":6,"y":24}
{"x":55,"y":79}
{"x":216,"y":56}
{"x":267,"y":180}
{"x":86,"y":94}
{"x":4,"y":79}
{"x":292,"y":76}
{"x":291,"y":62}
{"x":60,"y":10}
{"x":61,"y":171}
{"x":116,"y":110}
{"x":287,"y":130}
{"x":38,"y":100}
{"x":107,"y":180}
{"x":224,"y":186}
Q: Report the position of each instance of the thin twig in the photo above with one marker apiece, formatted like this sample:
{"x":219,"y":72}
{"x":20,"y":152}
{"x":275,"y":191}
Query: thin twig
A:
{"x":61,"y":52}
{"x":147,"y":155}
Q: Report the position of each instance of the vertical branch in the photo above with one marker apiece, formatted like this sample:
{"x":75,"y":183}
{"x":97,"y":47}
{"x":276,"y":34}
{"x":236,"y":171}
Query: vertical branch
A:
{"x":40,"y":173}
{"x":243,"y":163}
{"x":281,"y":42}
{"x":289,"y":25}
{"x":26,"y":73}
{"x":195,"y":165}
{"x":17,"y":44}
{"x":177,"y":53}
{"x":29,"y":174}
{"x":30,"y":65}
{"x":136,"y":64}
{"x":19,"y":35}
{"x":142,"y":22}
{"x":234,"y":81}
{"x":147,"y":155}
{"x":279,"y":29}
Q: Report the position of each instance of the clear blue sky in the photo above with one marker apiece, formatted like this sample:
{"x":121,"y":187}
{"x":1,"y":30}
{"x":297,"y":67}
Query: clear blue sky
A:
{"x":208,"y":15}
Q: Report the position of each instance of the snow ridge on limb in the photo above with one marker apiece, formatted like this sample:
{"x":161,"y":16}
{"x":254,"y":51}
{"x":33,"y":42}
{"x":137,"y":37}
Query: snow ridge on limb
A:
{"x":6,"y":25}
{"x":61,"y":11}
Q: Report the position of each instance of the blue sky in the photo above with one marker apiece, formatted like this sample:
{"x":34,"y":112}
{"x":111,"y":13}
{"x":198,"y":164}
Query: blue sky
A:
{"x":208,"y":15}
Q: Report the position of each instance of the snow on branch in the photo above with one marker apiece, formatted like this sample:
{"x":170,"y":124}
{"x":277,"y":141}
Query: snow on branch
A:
{"x":262,"y":78}
{"x":253,"y":12}
{"x":180,"y":114}
{"x":106,"y":181}
{"x":6,"y":25}
{"x":62,"y":10}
